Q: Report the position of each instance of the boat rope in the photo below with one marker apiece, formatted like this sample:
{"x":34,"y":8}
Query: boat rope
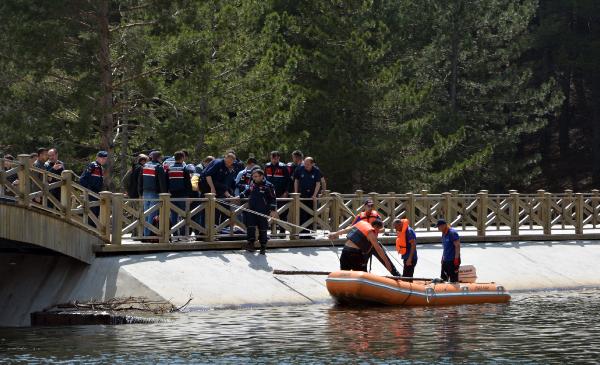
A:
{"x":282,"y":222}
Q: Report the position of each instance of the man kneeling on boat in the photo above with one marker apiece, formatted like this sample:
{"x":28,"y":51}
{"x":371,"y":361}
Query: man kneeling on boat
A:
{"x":361,"y":244}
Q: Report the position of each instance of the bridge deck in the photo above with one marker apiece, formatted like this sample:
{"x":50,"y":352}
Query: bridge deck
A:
{"x":424,"y":237}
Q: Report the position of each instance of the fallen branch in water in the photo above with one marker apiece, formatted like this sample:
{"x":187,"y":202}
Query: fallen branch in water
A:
{"x":121,"y":304}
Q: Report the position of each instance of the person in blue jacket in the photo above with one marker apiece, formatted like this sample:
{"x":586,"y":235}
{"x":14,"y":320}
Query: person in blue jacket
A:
{"x":451,"y":252}
{"x":261,"y":199}
{"x":152,"y":182}
{"x":93,"y":179}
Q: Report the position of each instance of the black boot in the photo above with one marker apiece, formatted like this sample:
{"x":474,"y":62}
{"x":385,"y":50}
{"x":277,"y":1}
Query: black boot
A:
{"x":263,"y":249}
{"x":250,"y":246}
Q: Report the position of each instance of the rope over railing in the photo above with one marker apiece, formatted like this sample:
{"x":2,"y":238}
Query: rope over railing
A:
{"x":116,"y":218}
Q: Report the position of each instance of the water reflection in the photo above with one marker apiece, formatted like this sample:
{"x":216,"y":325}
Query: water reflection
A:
{"x":545,"y":327}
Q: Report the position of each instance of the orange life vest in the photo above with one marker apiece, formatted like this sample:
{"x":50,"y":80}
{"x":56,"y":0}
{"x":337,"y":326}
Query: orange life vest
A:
{"x":364,"y":227}
{"x":359,"y":235}
{"x":401,"y":237}
{"x":369,"y":216}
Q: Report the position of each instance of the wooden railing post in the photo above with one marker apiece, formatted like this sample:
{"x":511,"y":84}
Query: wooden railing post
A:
{"x":164,"y":226}
{"x":482,"y":208}
{"x":335,"y":211}
{"x":358,"y":202}
{"x":391,"y":211}
{"x":326,"y":200}
{"x":447,"y":206}
{"x":294,"y":215}
{"x":104,"y":217}
{"x":579,"y":216}
{"x":24,"y":184}
{"x":514,"y":213}
{"x":209,"y":214}
{"x":545,"y":211}
{"x":66,"y":193}
{"x":427,"y":206}
{"x":595,"y":205}
{"x":117,"y":219}
{"x":567,"y":218}
{"x":410,"y":207}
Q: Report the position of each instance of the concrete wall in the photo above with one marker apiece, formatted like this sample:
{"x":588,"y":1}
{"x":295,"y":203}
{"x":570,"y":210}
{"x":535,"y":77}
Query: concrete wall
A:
{"x":217,"y":279}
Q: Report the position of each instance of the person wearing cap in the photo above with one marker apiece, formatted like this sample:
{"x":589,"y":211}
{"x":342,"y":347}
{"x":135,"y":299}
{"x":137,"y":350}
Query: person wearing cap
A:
{"x":451,"y":252}
{"x":261,"y":199}
{"x":152,"y":182}
{"x":406,"y":245}
{"x":93,"y":179}
{"x":368,"y":213}
{"x":93,"y":175}
{"x":361,"y":244}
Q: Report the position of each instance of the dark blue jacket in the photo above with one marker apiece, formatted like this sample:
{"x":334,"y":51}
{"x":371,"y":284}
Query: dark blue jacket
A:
{"x":93,"y":177}
{"x":152,"y":178}
{"x":307,"y":180}
{"x":179,"y":181}
{"x":223,"y":178}
{"x":261,"y":197}
{"x":279,"y":176}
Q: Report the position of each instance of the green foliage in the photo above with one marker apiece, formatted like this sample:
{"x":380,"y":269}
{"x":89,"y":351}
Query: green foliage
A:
{"x":387,"y":95}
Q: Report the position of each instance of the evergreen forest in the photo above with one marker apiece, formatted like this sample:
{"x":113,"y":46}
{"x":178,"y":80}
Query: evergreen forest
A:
{"x":386,"y":95}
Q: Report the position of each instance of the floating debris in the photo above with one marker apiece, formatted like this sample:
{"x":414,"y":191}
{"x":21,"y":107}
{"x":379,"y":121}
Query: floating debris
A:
{"x":132,"y":310}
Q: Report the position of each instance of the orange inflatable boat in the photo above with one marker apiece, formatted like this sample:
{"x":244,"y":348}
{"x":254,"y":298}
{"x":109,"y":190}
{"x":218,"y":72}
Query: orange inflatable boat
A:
{"x":354,"y":287}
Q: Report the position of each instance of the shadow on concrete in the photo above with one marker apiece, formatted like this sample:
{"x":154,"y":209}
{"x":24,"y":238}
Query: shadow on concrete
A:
{"x":257,"y":262}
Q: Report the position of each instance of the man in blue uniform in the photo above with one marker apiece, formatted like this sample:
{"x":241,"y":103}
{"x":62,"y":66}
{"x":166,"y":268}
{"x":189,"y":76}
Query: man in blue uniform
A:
{"x":217,"y":178}
{"x":451,"y":253}
{"x":93,"y":175}
{"x":93,"y":179}
{"x":152,"y":182}
{"x":307,"y":182}
{"x":261,"y":199}
{"x":277,"y":173}
{"x":297,"y":160}
{"x":56,"y":167}
{"x":179,"y":184}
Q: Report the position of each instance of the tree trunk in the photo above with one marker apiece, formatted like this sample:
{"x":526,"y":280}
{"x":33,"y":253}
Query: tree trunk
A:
{"x":454,"y":53}
{"x":106,"y":99}
{"x":595,"y":114}
{"x":564,"y":121}
{"x":203,"y":108}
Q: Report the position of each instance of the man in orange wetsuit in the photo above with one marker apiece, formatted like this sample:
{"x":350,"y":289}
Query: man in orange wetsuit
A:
{"x":361,"y":243}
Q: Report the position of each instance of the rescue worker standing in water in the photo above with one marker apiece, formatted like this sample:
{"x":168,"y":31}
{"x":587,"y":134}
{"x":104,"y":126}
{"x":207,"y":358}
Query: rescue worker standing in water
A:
{"x":406,"y":245}
{"x":360,"y":245}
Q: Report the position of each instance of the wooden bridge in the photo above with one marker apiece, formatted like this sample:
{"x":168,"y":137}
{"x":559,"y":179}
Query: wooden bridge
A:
{"x":55,"y":212}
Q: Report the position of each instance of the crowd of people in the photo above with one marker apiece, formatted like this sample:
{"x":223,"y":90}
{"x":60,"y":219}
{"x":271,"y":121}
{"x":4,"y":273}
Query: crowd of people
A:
{"x":227,"y":177}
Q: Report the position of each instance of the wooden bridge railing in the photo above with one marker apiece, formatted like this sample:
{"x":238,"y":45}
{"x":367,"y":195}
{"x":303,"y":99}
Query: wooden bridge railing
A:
{"x":115,"y":217}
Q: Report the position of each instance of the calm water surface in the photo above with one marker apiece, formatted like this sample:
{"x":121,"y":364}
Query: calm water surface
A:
{"x":538,"y":327}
